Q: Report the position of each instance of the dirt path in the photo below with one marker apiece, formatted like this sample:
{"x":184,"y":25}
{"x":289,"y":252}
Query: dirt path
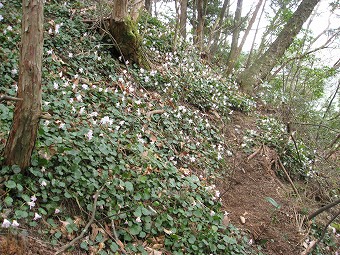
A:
{"x":245,"y":191}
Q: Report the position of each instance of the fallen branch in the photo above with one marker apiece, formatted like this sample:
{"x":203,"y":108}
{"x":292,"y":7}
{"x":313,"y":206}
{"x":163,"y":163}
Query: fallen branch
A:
{"x":255,"y":153}
{"x":289,"y":179}
{"x":322,"y":209}
{"x":9,"y":98}
{"x":149,"y":114}
{"x":93,"y":213}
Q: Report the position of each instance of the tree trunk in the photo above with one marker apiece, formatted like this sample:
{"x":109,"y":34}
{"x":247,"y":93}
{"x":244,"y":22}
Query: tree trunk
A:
{"x":236,"y":33}
{"x":123,"y":29}
{"x":255,"y":36}
{"x":148,"y":6}
{"x":217,"y":34}
{"x":183,"y":19}
{"x":23,"y":134}
{"x":231,"y":65}
{"x":260,"y":69}
{"x":200,"y":25}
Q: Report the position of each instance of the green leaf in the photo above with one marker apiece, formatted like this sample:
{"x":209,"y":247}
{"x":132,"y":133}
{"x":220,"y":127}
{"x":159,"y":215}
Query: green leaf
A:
{"x":8,"y":201}
{"x":84,"y":246}
{"x":273,"y":202}
{"x":21,"y":214}
{"x":114,"y":247}
{"x":16,"y":169}
{"x":10,"y":184}
{"x":128,"y":186}
{"x":135,"y":229}
{"x":214,"y":228}
{"x":192,"y":239}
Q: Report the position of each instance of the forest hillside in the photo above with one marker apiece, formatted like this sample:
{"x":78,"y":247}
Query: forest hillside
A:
{"x":150,"y":144}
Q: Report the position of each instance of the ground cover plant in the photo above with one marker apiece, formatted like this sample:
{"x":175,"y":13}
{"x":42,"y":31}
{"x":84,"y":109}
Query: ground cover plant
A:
{"x":151,"y":172}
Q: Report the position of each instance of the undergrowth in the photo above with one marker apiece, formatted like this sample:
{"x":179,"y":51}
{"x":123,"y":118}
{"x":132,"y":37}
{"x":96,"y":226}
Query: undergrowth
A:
{"x":154,"y":169}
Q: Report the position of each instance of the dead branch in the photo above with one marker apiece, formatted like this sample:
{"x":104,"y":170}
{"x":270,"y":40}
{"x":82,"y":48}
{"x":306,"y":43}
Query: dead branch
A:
{"x":322,"y":209}
{"x":149,"y":114}
{"x":93,"y":213}
{"x":323,"y":234}
{"x":255,"y":153}
{"x":9,"y":98}
{"x":289,"y":179}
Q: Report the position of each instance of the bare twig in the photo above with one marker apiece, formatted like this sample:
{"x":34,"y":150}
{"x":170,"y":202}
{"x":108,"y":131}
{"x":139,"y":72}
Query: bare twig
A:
{"x":289,"y":179}
{"x":323,"y":234}
{"x":93,"y":213}
{"x":322,"y":209}
{"x":9,"y":98}
{"x":149,"y":114}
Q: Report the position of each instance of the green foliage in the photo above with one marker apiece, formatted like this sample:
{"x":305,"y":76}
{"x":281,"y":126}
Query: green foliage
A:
{"x":155,"y":169}
{"x":296,"y":157}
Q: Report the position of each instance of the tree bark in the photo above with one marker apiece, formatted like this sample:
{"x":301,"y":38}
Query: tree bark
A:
{"x":148,"y":6}
{"x":217,"y":34}
{"x":123,"y":30}
{"x":23,"y":134}
{"x":200,"y":25}
{"x":260,"y":69}
{"x":183,"y":19}
{"x":236,"y":33}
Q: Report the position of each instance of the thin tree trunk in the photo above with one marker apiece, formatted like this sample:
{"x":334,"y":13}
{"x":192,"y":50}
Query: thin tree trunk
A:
{"x":255,"y":36}
{"x":262,"y":66}
{"x":246,"y":33}
{"x":200,"y":25}
{"x":183,"y":19}
{"x":23,"y":134}
{"x":236,"y":33}
{"x":217,"y":33}
{"x":148,"y":6}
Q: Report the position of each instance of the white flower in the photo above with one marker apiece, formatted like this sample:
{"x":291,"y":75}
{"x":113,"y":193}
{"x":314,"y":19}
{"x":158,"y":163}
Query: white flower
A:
{"x":31,"y":204}
{"x":33,"y":198}
{"x":15,"y":224}
{"x":81,"y":70}
{"x":99,"y":58}
{"x":43,"y":183}
{"x":85,"y":86}
{"x":81,"y":111}
{"x":50,"y":31}
{"x":10,"y":28}
{"x":6,"y":223}
{"x":106,"y":120}
{"x":70,"y":55}
{"x":49,"y":52}
{"x":229,"y":153}
{"x":36,"y":216}
{"x":89,"y":134}
{"x":1,"y":5}
{"x":79,"y":98}
{"x":1,"y":18}
{"x":138,"y":219}
{"x":57,"y":27}
{"x":94,"y":114}
{"x":61,"y":125}
{"x":212,"y":213}
{"x":14,"y":71}
{"x":192,"y":159}
{"x":219,"y":156}
{"x":57,"y":211}
{"x":55,"y":85}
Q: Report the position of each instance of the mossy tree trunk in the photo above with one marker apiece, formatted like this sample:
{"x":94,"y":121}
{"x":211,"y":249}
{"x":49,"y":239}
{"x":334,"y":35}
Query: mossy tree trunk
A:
{"x":23,"y":134}
{"x":261,"y":67}
{"x":125,"y":33}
